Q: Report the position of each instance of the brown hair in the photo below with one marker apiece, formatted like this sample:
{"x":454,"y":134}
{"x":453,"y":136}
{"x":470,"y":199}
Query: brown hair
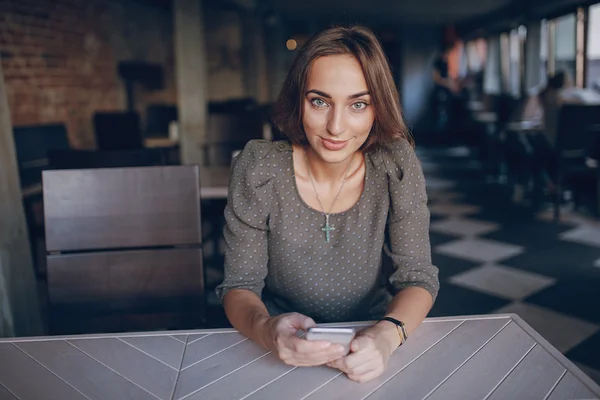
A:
{"x":361,"y":43}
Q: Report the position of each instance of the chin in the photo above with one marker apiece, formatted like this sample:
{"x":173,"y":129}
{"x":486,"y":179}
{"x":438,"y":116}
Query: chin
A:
{"x":336,"y":156}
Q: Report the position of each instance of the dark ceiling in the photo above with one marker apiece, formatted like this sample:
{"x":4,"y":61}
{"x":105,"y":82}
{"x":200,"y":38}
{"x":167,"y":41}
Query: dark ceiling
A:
{"x":416,"y":11}
{"x":401,"y":11}
{"x":468,"y":15}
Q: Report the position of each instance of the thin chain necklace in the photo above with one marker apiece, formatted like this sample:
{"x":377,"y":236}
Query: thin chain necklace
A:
{"x":327,"y":228}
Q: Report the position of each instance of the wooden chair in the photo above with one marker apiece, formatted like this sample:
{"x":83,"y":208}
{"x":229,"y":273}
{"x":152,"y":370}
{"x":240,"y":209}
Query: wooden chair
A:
{"x":229,"y":132}
{"x":158,"y":118}
{"x":32,"y":145}
{"x":118,"y":130}
{"x":85,"y":159}
{"x":123,"y":249}
{"x":576,"y":132}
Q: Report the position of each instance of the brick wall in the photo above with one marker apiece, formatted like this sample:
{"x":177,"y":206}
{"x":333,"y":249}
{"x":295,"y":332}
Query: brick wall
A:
{"x":60,"y":59}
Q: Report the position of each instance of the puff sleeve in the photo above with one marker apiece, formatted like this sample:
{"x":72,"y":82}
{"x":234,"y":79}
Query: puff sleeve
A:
{"x":247,"y":220}
{"x":407,"y":231}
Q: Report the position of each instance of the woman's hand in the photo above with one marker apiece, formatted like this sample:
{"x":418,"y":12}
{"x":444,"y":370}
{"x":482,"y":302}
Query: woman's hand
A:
{"x":370,"y":352}
{"x":279,"y":336}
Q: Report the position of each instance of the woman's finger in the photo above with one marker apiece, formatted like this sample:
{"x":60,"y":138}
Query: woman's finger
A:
{"x":361,"y":343}
{"x":295,"y":321}
{"x":299,"y":345}
{"x":367,"y":376}
{"x":312,"y":361}
{"x":320,"y":357}
{"x":309,"y":347}
{"x":365,"y":353}
{"x":356,"y":363}
{"x":363,"y":367}
{"x":337,"y":364}
{"x":301,"y":352}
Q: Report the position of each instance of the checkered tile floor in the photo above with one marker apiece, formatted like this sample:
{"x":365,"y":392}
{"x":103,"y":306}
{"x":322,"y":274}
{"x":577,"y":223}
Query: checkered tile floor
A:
{"x":495,"y":257}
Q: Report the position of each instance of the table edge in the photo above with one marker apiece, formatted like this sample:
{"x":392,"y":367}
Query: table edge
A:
{"x":558,"y":356}
{"x":225,"y":330}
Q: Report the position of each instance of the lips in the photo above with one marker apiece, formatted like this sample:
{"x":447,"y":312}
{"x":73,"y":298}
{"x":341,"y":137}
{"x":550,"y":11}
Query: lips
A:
{"x":334,"y":144}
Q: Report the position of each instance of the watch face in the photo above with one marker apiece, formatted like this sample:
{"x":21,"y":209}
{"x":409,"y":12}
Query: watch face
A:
{"x":400,"y":333}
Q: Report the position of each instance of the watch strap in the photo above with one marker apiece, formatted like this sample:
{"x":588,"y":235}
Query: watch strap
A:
{"x":400,"y":326}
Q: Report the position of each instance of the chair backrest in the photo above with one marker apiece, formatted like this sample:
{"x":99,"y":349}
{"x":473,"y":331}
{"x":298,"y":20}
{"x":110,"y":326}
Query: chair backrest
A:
{"x":124,"y":242}
{"x":158,"y":118}
{"x":594,"y":150}
{"x":32,"y":144}
{"x":118,"y":208}
{"x":118,"y":131}
{"x":505,"y":106}
{"x":574,"y":124}
{"x":230,"y":132}
{"x":85,"y":159}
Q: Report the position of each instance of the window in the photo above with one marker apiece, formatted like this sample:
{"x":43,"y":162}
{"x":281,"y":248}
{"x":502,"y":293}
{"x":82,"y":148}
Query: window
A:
{"x":544,"y":50}
{"x":476,"y":51}
{"x":492,"y":81}
{"x":565,"y":44}
{"x":593,"y":48}
{"x":505,"y":62}
{"x":580,"y":50}
{"x":472,"y":65}
{"x":516,"y":64}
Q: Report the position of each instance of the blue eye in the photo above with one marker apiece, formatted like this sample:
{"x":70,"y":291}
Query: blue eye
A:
{"x":359,"y":106}
{"x":319,"y":103}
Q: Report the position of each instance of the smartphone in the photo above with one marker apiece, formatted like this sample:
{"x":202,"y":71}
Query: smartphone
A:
{"x":341,"y":336}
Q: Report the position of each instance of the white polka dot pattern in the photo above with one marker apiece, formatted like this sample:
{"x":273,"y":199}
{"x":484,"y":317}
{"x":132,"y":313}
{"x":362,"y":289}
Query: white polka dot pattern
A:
{"x":274,"y":240}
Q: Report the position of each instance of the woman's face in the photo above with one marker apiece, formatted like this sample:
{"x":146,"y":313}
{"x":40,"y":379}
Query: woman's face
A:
{"x":337,"y":114}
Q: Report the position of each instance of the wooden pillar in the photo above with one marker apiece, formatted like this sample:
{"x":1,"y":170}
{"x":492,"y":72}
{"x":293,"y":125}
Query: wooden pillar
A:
{"x":19,"y":307}
{"x":191,"y":69}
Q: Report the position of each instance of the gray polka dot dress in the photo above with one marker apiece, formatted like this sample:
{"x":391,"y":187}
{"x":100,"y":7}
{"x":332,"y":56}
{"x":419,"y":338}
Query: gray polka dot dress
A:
{"x":274,"y":245}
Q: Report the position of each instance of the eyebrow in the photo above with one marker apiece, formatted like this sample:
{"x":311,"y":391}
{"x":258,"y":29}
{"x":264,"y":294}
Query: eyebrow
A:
{"x":328,"y":96}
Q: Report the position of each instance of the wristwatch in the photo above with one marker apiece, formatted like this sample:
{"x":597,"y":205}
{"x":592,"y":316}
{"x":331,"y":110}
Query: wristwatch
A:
{"x":400,"y":327}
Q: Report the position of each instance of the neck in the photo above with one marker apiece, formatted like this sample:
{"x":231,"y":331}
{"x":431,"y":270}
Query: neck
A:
{"x":324,"y":172}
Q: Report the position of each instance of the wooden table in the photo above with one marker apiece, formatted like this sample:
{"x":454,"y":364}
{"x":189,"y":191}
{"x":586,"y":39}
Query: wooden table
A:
{"x":166,"y":142}
{"x":477,"y":357}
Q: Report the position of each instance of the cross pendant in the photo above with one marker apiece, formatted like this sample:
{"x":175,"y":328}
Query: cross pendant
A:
{"x":327,"y":228}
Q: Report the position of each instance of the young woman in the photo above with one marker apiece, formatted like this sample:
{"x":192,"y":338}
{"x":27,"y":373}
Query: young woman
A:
{"x":307,"y":219}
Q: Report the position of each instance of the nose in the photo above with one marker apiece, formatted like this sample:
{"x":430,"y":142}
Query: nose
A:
{"x":336,"y":125}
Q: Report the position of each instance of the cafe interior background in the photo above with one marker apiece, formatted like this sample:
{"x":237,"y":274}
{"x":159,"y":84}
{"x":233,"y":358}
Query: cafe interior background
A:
{"x":108,"y":84}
